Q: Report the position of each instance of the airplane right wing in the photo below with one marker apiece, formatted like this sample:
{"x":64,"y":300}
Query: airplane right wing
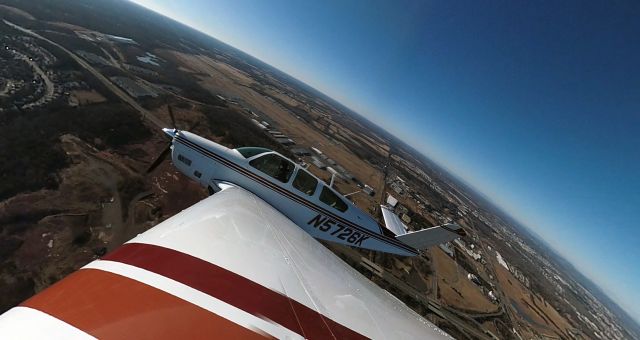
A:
{"x":420,"y":239}
{"x":231,"y":266}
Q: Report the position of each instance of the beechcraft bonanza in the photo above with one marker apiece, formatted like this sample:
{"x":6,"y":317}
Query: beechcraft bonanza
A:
{"x":307,"y":201}
{"x":242,"y":263}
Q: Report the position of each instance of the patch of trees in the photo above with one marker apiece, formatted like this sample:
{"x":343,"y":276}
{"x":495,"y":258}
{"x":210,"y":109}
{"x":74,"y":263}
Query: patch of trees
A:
{"x":128,"y":188}
{"x":21,"y":287}
{"x":30,"y":147}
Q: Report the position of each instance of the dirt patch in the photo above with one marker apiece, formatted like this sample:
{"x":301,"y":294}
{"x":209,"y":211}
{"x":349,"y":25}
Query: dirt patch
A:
{"x":455,"y":289}
{"x":69,"y":26}
{"x":531,"y":308}
{"x":87,"y":97}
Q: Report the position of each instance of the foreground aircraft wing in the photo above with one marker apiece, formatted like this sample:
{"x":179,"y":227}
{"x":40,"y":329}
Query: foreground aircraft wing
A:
{"x":421,"y":239}
{"x":231,"y":266}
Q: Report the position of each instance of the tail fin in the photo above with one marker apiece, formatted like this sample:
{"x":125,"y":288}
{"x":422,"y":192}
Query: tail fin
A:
{"x":393,"y":222}
{"x":420,"y":239}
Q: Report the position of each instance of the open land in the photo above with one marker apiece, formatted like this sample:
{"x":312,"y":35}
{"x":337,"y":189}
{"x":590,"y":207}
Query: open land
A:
{"x":97,"y":92}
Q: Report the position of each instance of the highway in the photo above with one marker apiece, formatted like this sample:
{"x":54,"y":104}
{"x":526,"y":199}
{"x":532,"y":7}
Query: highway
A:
{"x":112,"y":87}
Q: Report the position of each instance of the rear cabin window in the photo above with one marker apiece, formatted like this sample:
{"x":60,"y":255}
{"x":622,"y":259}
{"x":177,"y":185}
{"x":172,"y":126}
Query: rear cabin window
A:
{"x":250,"y":151}
{"x":330,"y":198}
{"x":305,"y":182}
{"x":274,"y":166}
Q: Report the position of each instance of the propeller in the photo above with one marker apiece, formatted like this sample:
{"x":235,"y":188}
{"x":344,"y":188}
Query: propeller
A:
{"x":173,"y":118}
{"x":161,"y":157}
{"x":165,"y":152}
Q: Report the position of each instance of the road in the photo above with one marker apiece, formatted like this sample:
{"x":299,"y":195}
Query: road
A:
{"x":111,"y":86}
{"x":111,"y":58}
{"x":49,"y":86}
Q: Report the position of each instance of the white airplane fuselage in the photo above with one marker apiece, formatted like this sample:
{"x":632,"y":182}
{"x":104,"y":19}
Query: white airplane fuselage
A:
{"x":213,"y":165}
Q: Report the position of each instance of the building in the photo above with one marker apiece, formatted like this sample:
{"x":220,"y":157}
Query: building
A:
{"x":301,"y":152}
{"x":333,"y":171}
{"x":473,"y":279}
{"x":318,"y":163}
{"x":369,"y":190}
{"x":502,"y":261}
{"x":493,"y":296}
{"x":121,"y":40}
{"x":256,"y":123}
{"x":285,"y":141}
{"x":397,"y":189}
{"x":446,"y":247}
{"x":391,"y":201}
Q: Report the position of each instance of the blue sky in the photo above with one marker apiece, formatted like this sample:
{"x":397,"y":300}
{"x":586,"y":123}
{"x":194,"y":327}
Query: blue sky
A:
{"x":537,"y":105}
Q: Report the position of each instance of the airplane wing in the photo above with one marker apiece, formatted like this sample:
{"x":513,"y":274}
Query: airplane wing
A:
{"x":230,"y":266}
{"x":421,"y":239}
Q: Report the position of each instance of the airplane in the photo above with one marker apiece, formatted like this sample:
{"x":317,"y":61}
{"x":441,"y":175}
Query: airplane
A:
{"x":309,"y":202}
{"x":242,"y":263}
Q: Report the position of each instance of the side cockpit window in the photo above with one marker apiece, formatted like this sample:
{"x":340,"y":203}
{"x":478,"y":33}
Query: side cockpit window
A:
{"x":274,"y":166}
{"x":305,"y":182}
{"x":332,"y":199}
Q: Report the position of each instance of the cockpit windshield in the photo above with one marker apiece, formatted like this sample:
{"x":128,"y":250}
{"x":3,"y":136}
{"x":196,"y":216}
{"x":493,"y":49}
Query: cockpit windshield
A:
{"x":274,"y":166}
{"x":250,"y":151}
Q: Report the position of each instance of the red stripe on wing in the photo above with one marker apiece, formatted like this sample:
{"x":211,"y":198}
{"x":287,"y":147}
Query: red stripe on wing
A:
{"x":233,"y":289}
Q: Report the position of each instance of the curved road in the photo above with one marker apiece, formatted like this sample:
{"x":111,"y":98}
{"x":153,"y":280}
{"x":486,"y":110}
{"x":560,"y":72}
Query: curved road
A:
{"x":49,"y":86}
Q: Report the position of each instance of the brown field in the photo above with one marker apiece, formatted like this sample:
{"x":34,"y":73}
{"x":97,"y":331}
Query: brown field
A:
{"x":455,"y":289}
{"x":69,"y":26}
{"x":87,"y":97}
{"x":529,"y":307}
